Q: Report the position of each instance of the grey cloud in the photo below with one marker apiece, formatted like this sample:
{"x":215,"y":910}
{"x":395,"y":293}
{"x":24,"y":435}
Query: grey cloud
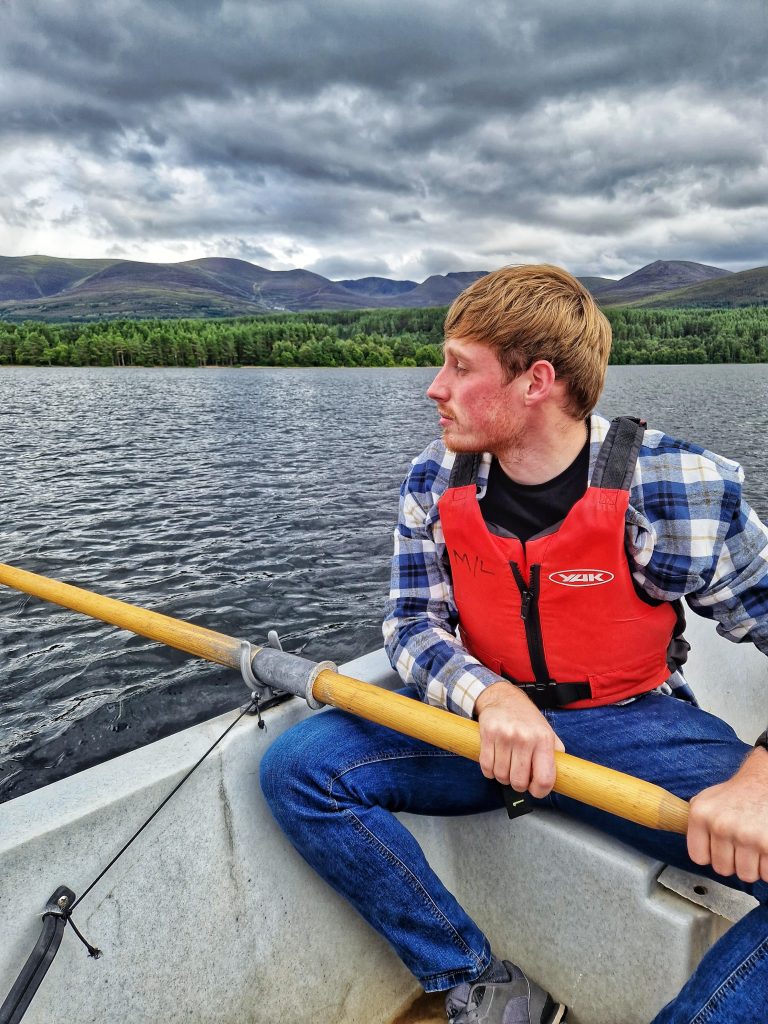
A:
{"x":69,"y":218}
{"x":406,"y":217}
{"x":444,"y":261}
{"x":339,"y":268}
{"x":20,"y":214}
{"x":142,"y":157}
{"x":239,"y":248}
{"x":750,"y":190}
{"x":407,"y":132}
{"x":731,"y":256}
{"x":434,"y":54}
{"x":303,"y":153}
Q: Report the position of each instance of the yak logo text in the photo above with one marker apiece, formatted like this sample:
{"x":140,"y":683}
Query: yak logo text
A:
{"x":581,"y":577}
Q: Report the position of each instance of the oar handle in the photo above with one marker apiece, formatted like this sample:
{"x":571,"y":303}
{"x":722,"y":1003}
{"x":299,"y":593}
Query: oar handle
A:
{"x":593,"y":784}
{"x":605,"y":788}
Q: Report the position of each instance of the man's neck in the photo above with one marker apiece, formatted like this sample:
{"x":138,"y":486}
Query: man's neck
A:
{"x":545,"y":452}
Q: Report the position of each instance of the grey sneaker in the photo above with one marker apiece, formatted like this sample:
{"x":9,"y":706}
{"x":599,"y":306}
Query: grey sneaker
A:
{"x":515,"y":1001}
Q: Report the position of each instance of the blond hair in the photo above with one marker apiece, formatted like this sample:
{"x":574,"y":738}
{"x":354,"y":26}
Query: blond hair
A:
{"x":535,"y":312}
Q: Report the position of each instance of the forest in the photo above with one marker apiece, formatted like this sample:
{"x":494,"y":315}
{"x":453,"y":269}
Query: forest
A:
{"x":397,"y":337}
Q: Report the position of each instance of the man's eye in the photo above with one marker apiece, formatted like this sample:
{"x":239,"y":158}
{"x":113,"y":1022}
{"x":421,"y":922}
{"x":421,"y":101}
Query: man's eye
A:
{"x":460,"y":368}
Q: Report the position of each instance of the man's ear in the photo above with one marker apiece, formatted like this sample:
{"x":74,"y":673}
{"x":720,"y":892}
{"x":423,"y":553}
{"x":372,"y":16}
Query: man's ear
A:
{"x":540,"y":379}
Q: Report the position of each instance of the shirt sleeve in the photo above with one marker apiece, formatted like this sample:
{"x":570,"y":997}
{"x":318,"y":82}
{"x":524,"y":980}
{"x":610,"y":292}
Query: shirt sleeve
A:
{"x":421,"y":616}
{"x":691,"y":534}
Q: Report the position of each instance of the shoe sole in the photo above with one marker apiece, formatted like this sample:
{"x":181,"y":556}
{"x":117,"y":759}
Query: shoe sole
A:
{"x":560,"y":1015}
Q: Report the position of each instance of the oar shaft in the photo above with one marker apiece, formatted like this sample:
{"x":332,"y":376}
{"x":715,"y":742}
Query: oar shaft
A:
{"x":609,"y":790}
{"x":592,"y":784}
{"x":184,"y":636}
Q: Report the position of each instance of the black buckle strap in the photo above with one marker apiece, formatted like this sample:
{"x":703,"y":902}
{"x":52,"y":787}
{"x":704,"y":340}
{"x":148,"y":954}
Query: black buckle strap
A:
{"x":552,"y":695}
{"x":465,"y":469}
{"x":616,"y":460}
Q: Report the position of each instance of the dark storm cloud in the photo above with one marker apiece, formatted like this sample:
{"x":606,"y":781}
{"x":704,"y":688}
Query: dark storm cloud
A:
{"x":368,"y":134}
{"x":406,"y":217}
{"x":139,"y":58}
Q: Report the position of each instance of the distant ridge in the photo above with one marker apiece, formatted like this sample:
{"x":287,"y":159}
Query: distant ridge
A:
{"x":747,"y":288}
{"x":33,"y":277}
{"x":44,"y":288}
{"x":437,"y":290}
{"x":597,"y":285}
{"x":378,"y":286}
{"x":660,"y":276}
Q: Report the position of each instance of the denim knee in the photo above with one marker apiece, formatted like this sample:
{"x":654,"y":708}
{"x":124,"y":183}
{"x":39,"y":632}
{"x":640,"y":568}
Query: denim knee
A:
{"x":270,"y":769}
{"x":280,"y":768}
{"x":291,"y":774}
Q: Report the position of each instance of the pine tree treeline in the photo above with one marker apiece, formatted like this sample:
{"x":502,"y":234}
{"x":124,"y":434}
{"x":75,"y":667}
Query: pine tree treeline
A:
{"x":398,"y":337}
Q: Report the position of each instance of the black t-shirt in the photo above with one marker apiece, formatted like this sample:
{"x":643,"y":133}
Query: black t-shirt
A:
{"x":524,"y":510}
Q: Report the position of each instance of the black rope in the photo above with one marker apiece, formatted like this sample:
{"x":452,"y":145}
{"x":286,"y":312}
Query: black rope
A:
{"x":93,"y":951}
{"x":176,"y":788}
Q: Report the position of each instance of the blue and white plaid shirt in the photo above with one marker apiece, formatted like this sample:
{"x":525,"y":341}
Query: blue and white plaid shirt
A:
{"x":689,"y":534}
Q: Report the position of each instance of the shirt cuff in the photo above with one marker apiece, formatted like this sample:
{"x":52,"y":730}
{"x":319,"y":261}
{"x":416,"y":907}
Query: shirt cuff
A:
{"x":460,"y":693}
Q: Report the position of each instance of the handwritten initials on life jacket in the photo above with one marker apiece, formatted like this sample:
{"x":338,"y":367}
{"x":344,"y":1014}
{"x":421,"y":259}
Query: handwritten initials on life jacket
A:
{"x":475,"y":564}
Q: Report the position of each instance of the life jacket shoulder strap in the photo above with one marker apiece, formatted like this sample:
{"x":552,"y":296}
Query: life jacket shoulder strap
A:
{"x":614,"y":468}
{"x":617,"y":458}
{"x":465,"y":469}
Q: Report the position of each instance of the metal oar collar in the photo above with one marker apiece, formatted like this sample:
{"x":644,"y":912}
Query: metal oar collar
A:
{"x":270,"y":670}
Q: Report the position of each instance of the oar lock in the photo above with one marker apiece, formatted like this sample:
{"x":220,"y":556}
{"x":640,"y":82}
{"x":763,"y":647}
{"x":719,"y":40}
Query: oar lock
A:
{"x":270,"y":670}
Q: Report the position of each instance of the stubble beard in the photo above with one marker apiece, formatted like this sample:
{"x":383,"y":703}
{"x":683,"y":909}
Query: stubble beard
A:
{"x":497,"y":439}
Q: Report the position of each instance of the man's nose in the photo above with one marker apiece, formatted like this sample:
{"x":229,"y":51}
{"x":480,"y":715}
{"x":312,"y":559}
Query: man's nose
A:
{"x":437,"y":390}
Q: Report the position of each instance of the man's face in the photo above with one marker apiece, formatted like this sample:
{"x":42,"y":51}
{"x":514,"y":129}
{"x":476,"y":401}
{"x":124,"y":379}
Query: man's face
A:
{"x":480,"y":410}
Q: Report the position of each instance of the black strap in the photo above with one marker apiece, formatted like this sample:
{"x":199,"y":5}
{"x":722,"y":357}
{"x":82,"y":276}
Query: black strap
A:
{"x":34,"y":970}
{"x":614,"y":467}
{"x":553,"y":695}
{"x":465,"y":469}
{"x":616,"y":460}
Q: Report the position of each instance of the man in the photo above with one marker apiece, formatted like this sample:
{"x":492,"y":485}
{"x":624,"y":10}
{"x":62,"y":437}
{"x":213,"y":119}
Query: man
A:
{"x":559,"y":548}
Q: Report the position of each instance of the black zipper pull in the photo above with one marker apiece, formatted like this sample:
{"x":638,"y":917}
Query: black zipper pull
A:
{"x":525,"y":593}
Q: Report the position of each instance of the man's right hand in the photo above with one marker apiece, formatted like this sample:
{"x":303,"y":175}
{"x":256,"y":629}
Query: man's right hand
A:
{"x":517,"y":744}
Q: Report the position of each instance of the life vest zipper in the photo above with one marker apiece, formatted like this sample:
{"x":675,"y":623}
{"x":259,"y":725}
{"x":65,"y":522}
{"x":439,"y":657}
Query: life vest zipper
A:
{"x":529,"y":613}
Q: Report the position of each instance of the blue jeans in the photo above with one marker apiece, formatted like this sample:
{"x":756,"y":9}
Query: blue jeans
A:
{"x":334,"y":780}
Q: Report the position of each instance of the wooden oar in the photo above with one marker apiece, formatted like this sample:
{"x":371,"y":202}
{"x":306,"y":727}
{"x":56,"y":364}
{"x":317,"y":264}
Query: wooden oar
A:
{"x":184,"y":636}
{"x":604,"y":788}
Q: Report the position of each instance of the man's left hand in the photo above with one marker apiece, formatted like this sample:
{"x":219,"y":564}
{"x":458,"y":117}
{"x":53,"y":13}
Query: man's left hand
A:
{"x":728,"y":823}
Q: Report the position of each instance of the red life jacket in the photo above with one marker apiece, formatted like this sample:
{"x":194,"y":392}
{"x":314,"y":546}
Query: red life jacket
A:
{"x":559,"y":615}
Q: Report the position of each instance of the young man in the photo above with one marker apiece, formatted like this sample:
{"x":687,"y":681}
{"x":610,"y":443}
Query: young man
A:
{"x":540,"y":558}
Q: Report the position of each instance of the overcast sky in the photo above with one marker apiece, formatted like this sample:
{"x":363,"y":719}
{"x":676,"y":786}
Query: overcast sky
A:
{"x":400,"y":138}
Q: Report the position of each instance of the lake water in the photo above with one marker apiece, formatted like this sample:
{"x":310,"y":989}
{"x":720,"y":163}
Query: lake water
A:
{"x":242,"y":500}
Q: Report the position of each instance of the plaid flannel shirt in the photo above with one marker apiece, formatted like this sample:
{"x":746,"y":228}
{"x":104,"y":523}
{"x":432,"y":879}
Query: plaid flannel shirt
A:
{"x":689,"y":534}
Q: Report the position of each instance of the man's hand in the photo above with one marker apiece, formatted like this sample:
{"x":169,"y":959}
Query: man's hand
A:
{"x":517,"y":744}
{"x":728,"y":823}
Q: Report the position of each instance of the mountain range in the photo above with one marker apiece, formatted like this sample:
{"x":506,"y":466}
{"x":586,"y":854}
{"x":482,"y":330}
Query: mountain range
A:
{"x":47,"y":288}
